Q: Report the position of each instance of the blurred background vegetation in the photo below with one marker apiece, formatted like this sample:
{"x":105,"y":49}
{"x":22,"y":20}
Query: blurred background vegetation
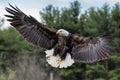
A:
{"x":20,"y":60}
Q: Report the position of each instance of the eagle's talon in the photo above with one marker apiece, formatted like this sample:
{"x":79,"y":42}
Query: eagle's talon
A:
{"x":48,"y":57}
{"x":59,"y":61}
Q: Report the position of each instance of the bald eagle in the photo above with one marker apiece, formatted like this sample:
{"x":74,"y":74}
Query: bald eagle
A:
{"x":62,"y":48}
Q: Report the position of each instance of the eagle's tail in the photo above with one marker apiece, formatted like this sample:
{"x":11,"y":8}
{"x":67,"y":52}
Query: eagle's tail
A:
{"x":55,"y":61}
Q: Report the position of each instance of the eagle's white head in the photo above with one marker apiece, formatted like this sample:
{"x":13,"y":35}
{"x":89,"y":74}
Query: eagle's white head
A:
{"x":62,"y":32}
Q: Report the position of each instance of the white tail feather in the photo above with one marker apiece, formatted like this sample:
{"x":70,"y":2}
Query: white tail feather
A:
{"x":53,"y":60}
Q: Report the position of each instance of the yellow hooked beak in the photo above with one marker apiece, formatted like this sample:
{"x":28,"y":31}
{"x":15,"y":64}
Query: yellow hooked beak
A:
{"x":57,"y":33}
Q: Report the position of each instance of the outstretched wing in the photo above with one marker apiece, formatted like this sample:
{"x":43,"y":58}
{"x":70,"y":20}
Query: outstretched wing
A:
{"x":92,"y":49}
{"x":35,"y":32}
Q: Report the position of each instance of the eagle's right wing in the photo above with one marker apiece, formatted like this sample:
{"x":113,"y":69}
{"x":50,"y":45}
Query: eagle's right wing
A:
{"x":35,"y":32}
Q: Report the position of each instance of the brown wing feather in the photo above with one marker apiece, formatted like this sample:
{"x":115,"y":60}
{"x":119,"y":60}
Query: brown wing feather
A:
{"x":35,"y":32}
{"x":89,"y":50}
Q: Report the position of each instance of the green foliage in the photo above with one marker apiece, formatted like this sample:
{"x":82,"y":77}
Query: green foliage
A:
{"x":66,"y":18}
{"x":116,"y":19}
{"x":10,"y":75}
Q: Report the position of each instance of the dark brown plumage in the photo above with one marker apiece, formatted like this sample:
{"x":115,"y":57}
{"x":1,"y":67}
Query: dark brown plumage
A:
{"x":83,"y":49}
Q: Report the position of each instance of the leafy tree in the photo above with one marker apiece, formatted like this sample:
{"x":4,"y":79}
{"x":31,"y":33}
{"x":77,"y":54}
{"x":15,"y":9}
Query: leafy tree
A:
{"x":116,"y":18}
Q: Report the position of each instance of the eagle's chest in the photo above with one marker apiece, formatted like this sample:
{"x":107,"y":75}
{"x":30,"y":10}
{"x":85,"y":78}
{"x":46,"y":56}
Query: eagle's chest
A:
{"x":62,"y":41}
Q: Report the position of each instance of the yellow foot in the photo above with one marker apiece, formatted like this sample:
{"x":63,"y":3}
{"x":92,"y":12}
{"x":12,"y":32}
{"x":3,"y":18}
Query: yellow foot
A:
{"x":48,"y":57}
{"x":59,"y":61}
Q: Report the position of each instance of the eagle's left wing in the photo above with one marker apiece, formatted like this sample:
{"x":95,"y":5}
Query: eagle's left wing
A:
{"x":34,"y":31}
{"x":91,"y":49}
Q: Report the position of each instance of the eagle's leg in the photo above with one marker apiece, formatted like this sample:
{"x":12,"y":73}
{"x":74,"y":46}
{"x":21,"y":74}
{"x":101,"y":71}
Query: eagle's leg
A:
{"x":62,"y":55}
{"x":48,"y":57}
{"x":56,"y":50}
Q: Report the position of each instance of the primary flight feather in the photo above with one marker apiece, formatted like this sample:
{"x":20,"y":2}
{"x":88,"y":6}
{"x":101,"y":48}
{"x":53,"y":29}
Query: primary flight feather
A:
{"x":61,"y":47}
